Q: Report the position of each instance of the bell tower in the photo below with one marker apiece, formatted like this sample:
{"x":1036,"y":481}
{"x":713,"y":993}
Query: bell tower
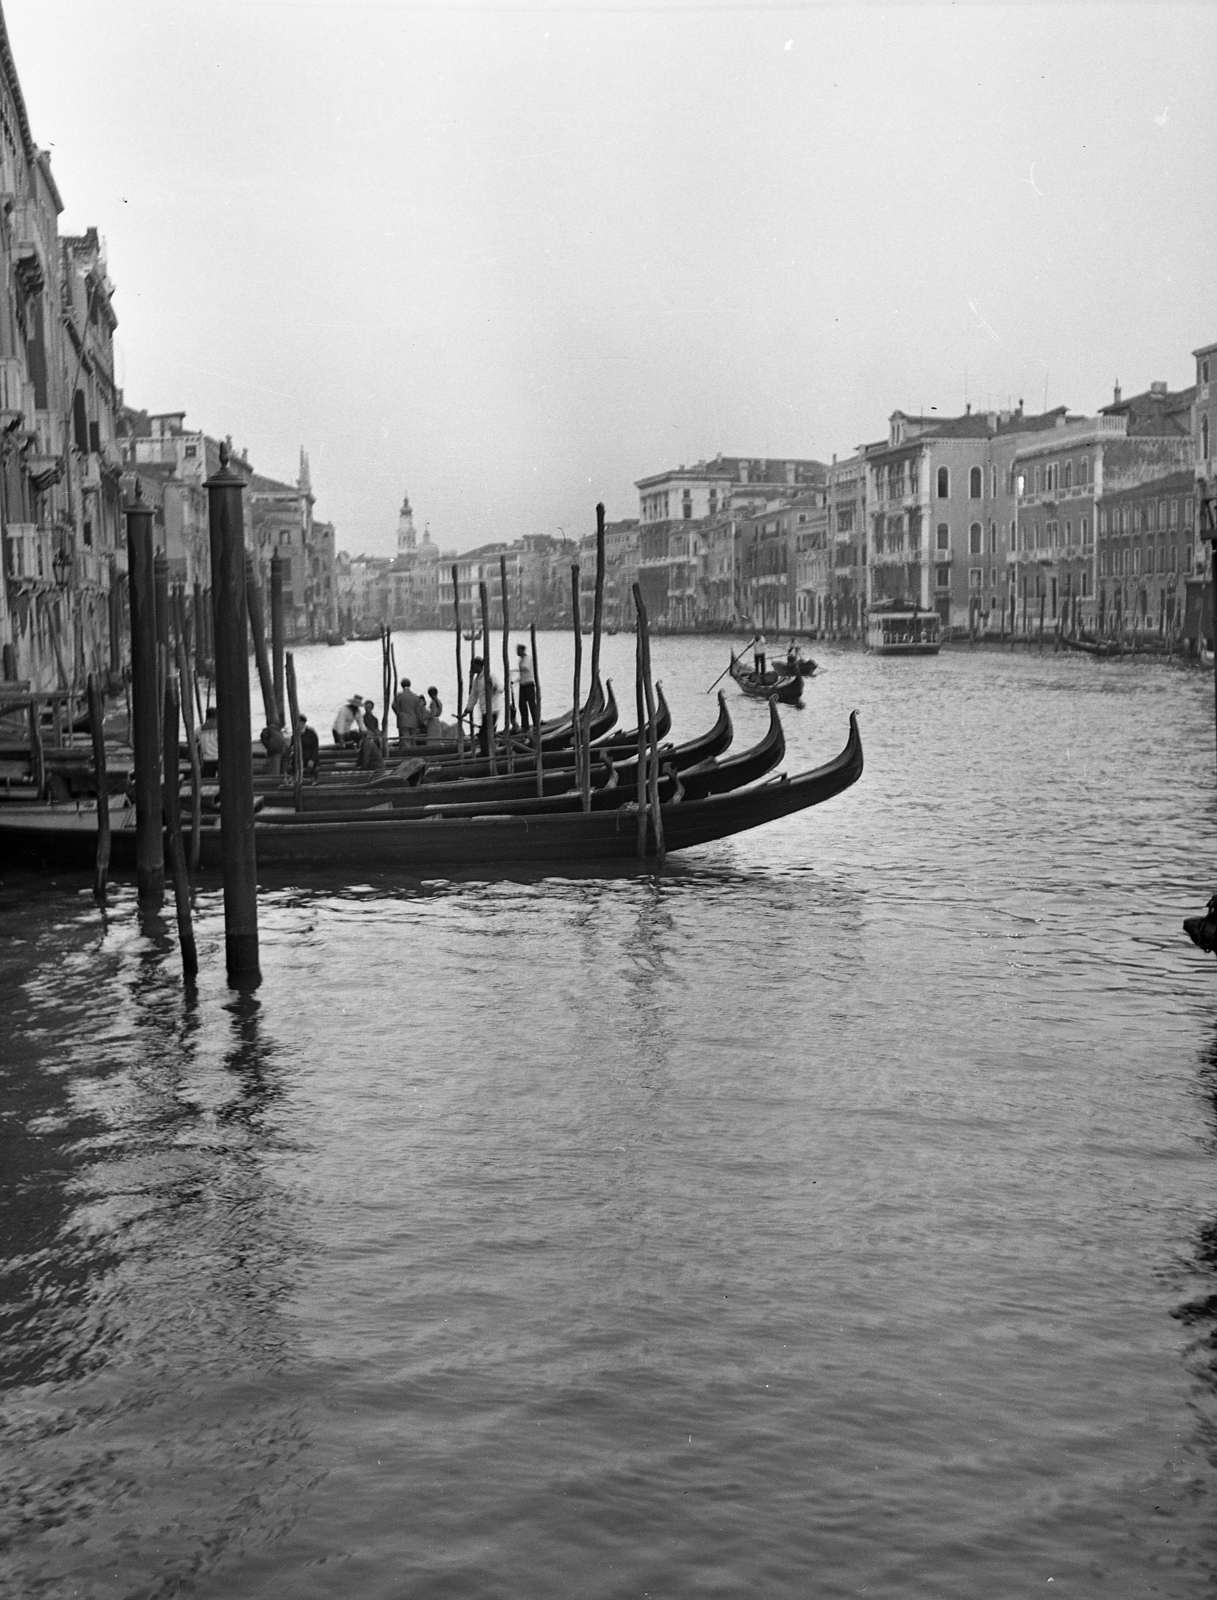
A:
{"x":405,"y":528}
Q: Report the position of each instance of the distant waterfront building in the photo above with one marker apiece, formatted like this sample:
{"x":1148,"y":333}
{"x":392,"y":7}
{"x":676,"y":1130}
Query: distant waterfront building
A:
{"x":1146,"y":549}
{"x":941,"y":509}
{"x":684,"y":518}
{"x":1078,"y":489}
{"x":1204,"y":455}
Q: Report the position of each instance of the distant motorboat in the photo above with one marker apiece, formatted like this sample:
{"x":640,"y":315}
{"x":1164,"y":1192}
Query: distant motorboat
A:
{"x":902,"y":630}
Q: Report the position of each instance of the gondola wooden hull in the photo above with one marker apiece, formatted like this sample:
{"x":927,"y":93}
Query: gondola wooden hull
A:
{"x":694,"y":781}
{"x":362,"y":790}
{"x":439,"y":845}
{"x":783,"y":686}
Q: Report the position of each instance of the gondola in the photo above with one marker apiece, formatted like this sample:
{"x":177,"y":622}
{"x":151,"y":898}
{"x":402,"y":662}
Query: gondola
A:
{"x":616,"y":786}
{"x":1090,"y":647}
{"x":787,"y":687}
{"x":444,"y":764}
{"x":489,"y":839}
{"x":607,"y":766}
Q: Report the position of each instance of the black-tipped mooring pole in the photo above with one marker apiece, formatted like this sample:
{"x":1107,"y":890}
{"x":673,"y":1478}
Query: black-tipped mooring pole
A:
{"x":278,"y":635}
{"x":232,"y":713}
{"x":145,"y":711}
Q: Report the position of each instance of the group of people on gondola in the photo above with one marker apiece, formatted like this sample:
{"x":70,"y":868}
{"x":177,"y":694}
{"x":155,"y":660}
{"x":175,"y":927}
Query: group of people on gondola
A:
{"x":484,"y":704}
{"x":357,"y":727}
{"x":419,"y":718}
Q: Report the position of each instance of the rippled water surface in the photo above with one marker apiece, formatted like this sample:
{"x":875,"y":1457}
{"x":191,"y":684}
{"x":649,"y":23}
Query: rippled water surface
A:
{"x":831,"y":1214}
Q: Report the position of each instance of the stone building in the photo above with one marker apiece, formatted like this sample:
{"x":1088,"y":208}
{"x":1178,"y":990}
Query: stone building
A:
{"x":172,"y":464}
{"x":281,"y":517}
{"x":1072,"y":519}
{"x":845,"y":602}
{"x":684,"y":516}
{"x":940,"y":505}
{"x":1204,"y":449}
{"x":1146,"y":549}
{"x":63,"y":546}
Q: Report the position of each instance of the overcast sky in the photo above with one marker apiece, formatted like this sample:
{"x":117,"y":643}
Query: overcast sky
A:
{"x":513,"y":257}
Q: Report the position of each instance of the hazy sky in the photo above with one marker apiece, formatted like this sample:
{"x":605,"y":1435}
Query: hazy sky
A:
{"x":513,"y":257}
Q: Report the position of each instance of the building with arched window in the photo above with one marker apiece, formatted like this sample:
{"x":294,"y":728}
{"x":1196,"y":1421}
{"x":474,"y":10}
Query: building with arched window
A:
{"x":63,"y":550}
{"x":927,"y":538}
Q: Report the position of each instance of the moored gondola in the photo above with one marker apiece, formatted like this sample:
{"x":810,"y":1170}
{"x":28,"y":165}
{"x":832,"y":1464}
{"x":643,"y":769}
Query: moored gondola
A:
{"x":384,"y":790}
{"x":488,"y":839}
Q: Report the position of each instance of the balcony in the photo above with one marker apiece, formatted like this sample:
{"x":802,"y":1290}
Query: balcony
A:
{"x":21,"y":544}
{"x":12,"y":387}
{"x":48,"y":434}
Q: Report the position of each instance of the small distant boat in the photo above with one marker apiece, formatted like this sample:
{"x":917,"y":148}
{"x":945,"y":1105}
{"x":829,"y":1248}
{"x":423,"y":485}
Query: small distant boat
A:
{"x":1090,"y":647}
{"x":902,"y":630}
{"x":801,"y":665}
{"x":784,"y":686}
{"x":333,"y":637}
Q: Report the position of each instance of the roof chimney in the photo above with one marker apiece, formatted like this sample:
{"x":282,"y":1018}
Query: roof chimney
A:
{"x":1158,"y":388}
{"x":1116,"y":401}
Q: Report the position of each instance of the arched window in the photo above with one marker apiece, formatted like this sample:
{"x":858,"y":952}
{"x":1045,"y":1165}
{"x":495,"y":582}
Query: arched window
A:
{"x":944,"y":478}
{"x":992,"y":538}
{"x":976,"y":536}
{"x":1204,"y":441}
{"x":976,"y":484}
{"x":1068,"y":477}
{"x":1083,"y":471}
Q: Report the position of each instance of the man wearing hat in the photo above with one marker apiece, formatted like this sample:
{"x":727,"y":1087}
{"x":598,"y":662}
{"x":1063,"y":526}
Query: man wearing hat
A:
{"x":348,"y":724}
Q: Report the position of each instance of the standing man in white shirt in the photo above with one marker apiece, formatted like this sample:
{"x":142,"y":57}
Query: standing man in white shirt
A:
{"x":527,"y":696}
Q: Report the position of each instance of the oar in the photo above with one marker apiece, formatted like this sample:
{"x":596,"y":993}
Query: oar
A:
{"x":731,"y":663}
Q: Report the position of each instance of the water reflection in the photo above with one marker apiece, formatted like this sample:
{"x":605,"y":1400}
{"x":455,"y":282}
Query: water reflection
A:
{"x":1199,"y":1312}
{"x":152,"y":1242}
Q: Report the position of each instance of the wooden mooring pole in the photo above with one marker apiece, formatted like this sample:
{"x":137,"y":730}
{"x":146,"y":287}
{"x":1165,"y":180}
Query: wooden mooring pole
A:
{"x":272,"y":740}
{"x":277,"y":633}
{"x":648,"y":689}
{"x":536,"y":678}
{"x":187,"y":693}
{"x":237,"y":849}
{"x":297,"y":741}
{"x":508,"y":719}
{"x":145,"y":712}
{"x":594,"y":682}
{"x":171,"y":790}
{"x":640,"y":702}
{"x":577,"y":708}
{"x":460,"y":675}
{"x":97,"y":727}
{"x":487,"y":695}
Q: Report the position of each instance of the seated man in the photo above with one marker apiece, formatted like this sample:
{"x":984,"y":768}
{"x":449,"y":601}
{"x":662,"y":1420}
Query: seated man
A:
{"x":310,"y":749}
{"x":348,"y":723}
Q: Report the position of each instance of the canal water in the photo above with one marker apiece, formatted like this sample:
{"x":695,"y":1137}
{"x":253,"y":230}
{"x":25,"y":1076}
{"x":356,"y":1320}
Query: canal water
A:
{"x":834,"y":1213}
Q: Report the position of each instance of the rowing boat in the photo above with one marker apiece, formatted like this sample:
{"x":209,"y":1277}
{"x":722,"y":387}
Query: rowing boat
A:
{"x":786,"y":686}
